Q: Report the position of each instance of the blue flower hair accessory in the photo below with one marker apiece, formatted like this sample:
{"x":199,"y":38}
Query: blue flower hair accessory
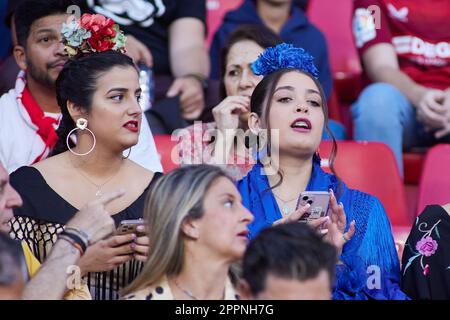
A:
{"x":284,"y":56}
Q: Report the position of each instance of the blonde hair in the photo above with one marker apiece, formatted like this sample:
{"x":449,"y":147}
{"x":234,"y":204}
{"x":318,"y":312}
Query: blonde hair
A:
{"x":173,"y":199}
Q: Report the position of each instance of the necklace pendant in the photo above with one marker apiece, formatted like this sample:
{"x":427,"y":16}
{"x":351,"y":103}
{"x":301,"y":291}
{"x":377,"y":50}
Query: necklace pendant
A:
{"x":286,"y":209}
{"x":98,"y":193}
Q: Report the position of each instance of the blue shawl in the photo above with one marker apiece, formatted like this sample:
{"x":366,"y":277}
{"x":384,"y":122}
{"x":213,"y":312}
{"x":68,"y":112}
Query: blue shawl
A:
{"x":370,"y":268}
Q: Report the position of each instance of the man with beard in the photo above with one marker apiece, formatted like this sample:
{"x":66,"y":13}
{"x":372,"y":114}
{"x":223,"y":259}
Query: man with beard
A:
{"x":29,"y":113}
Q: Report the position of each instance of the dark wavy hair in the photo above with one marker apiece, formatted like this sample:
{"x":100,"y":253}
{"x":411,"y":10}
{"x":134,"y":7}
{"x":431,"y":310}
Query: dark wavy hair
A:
{"x":259,"y":34}
{"x":77,"y":83}
{"x":292,"y":251}
{"x":260,"y":104}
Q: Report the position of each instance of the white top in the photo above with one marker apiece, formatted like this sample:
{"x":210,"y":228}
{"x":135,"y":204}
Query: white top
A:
{"x":52,"y":115}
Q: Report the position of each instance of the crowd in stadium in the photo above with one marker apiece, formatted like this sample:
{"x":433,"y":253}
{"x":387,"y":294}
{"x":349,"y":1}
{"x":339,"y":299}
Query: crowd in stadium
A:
{"x":225,"y":150}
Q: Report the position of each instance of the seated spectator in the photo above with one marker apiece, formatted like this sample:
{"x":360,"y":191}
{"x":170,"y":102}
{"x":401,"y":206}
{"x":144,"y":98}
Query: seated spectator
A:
{"x":169,"y":37}
{"x":12,"y":267}
{"x":426,"y":258}
{"x":288,"y":262}
{"x":214,"y":142}
{"x":30,"y":110}
{"x":197,"y":227}
{"x":291,"y":101}
{"x":405,"y":54}
{"x":98,"y":93}
{"x":286,"y":19}
{"x":18,"y":265}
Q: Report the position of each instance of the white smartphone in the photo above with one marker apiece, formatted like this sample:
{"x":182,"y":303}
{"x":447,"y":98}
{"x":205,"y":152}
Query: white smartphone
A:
{"x":129,"y":226}
{"x":319,"y":201}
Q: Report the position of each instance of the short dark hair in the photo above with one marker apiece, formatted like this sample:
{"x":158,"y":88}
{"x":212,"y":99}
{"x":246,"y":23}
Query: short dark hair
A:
{"x":260,"y":34}
{"x":11,"y":7}
{"x":31,"y":10}
{"x":290,"y":251}
{"x":11,"y":260}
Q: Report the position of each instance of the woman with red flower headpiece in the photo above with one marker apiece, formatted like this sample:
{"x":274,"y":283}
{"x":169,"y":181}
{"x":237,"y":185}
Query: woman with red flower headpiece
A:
{"x":98,"y":92}
{"x":101,"y":29}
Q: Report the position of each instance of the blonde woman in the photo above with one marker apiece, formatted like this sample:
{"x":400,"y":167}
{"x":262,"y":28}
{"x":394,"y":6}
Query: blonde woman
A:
{"x":197,"y":229}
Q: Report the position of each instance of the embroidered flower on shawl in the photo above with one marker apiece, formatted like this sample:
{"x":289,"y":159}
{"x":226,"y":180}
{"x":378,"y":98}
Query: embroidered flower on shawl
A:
{"x":427,"y":246}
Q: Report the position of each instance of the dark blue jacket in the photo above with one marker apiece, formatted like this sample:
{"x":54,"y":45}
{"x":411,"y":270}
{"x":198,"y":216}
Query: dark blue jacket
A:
{"x":297,"y":30}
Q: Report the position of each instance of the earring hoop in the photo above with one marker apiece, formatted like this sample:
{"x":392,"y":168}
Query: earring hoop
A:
{"x":81,"y":125}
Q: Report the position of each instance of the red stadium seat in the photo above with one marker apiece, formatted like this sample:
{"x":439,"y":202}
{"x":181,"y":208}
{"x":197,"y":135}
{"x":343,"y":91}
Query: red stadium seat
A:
{"x":334,"y":20}
{"x":434,"y":185}
{"x":371,"y":167}
{"x":412,"y":167}
{"x":168,"y":152}
{"x":333,"y":107}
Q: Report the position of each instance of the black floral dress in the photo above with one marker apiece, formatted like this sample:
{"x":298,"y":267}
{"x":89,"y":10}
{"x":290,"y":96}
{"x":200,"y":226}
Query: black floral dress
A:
{"x":426,"y":259}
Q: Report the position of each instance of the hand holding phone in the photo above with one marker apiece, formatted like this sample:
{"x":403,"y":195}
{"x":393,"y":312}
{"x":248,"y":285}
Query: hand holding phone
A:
{"x":338,"y":234}
{"x":318,"y":201}
{"x":129,"y":226}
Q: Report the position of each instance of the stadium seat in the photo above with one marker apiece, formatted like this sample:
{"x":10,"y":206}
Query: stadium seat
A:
{"x":412,"y":166}
{"x":333,"y":107}
{"x":344,"y":60}
{"x":336,"y":26}
{"x":434,"y":185}
{"x":168,"y":152}
{"x":371,"y":167}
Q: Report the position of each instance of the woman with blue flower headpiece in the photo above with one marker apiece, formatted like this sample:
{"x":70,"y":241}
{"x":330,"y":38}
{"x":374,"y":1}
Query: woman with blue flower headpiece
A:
{"x":288,"y":113}
{"x":225,"y":141}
